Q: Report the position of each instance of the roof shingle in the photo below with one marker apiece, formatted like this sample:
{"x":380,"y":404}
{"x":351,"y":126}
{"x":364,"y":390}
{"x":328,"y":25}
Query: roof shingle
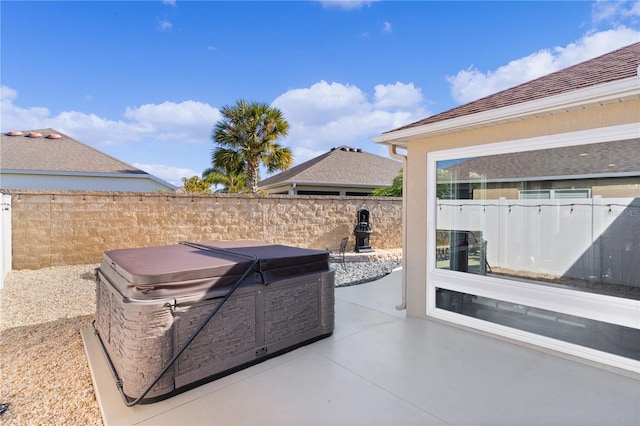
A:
{"x":64,"y":154}
{"x":340,"y":166}
{"x":606,"y":158}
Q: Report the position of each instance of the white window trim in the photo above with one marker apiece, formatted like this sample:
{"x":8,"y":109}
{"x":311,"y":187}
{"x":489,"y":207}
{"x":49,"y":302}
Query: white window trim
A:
{"x":609,"y":309}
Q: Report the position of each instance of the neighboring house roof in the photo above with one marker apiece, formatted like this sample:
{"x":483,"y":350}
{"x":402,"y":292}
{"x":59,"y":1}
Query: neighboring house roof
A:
{"x":342,"y":166}
{"x":619,"y":64}
{"x":608,"y":159}
{"x":47,"y":150}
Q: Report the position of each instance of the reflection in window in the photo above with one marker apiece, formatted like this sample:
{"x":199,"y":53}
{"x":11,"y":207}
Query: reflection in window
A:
{"x":461,"y":250}
{"x":611,"y":338}
{"x":567,"y":217}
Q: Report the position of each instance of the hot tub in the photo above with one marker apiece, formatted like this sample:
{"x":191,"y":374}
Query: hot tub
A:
{"x":173,"y":317}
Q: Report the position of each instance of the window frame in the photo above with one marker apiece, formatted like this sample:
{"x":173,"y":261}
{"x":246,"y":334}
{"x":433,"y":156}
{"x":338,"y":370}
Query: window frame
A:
{"x":625,"y":312}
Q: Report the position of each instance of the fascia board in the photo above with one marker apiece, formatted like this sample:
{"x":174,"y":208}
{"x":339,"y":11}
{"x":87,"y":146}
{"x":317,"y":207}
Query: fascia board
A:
{"x":343,"y":184}
{"x":283,"y":184}
{"x":299,"y":183}
{"x":89,"y":174}
{"x":80,"y":174}
{"x":582,"y":98}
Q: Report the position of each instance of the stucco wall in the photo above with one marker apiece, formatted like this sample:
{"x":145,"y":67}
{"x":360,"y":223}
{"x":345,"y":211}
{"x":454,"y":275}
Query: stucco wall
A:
{"x":54,"y":228}
{"x":562,"y":122}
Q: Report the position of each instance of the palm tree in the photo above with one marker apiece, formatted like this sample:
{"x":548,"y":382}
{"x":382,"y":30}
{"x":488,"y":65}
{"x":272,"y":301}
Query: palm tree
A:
{"x":248,"y":134}
{"x":232,"y":180}
{"x":195,"y":185}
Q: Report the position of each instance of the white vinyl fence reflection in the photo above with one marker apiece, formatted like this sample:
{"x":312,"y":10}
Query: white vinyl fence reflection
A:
{"x":588,"y":238}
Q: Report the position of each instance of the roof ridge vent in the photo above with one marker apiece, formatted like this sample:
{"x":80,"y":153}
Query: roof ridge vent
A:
{"x":34,"y":135}
{"x":14,"y":133}
{"x":54,"y":136}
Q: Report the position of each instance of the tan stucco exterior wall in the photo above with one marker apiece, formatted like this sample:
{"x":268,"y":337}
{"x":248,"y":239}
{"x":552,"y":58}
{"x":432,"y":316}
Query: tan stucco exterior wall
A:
{"x":416,"y":191}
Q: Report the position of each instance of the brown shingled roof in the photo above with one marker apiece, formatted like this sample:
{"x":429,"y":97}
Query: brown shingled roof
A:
{"x":63,"y":154}
{"x":606,"y":159}
{"x":340,"y":166}
{"x":612,"y":66}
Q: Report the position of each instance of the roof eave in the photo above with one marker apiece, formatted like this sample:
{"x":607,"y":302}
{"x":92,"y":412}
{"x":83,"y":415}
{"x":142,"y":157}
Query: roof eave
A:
{"x":611,"y":92}
{"x":326,"y":184}
{"x":143,"y":175}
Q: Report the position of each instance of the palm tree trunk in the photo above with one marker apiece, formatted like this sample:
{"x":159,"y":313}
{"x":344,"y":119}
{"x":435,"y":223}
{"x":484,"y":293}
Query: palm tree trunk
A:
{"x":252,"y":175}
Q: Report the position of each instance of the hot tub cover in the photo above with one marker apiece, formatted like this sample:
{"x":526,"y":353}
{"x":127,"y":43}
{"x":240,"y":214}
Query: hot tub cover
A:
{"x":193,"y":268}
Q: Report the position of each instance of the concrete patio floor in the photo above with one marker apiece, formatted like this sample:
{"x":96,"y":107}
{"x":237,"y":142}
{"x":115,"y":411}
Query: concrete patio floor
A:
{"x":380,"y":368}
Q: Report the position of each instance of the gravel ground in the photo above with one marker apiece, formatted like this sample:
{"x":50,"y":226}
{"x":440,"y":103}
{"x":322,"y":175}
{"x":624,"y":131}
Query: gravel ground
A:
{"x":353,"y":273}
{"x":44,"y":374}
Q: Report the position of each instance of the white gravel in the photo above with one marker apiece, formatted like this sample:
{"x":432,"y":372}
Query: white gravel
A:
{"x":353,"y":273}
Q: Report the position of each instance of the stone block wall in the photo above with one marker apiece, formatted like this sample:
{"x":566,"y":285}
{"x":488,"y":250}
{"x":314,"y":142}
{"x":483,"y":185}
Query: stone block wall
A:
{"x":56,"y":228}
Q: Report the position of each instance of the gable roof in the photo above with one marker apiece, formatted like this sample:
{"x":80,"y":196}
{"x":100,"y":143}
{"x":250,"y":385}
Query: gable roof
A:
{"x":342,"y":166}
{"x":47,"y":150}
{"x":606,"y":159}
{"x":617,"y":65}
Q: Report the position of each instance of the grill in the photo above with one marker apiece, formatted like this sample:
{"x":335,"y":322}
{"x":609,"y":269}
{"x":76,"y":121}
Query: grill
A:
{"x":362,"y":232}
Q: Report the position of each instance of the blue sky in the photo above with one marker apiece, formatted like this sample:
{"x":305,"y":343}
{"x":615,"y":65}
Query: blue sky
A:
{"x":144,"y":81}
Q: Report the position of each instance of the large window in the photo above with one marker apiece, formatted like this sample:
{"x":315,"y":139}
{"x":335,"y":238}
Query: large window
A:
{"x":542,"y":236}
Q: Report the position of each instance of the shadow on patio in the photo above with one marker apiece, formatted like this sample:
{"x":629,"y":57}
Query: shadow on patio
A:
{"x":382,"y":368}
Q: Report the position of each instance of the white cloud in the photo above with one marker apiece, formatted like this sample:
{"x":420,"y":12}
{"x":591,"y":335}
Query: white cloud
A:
{"x":171,"y":123}
{"x":386,"y":27}
{"x":7,"y":93}
{"x":171,"y":113}
{"x":346,"y":4}
{"x":97,"y":131}
{"x":471,"y":84}
{"x":165,"y":25}
{"x":302,"y":154}
{"x":16,"y":117}
{"x":397,"y":95}
{"x":171,"y":174}
{"x":187,"y":122}
{"x":322,"y":102}
{"x":616,"y":12}
{"x":328,"y":115}
{"x":169,"y":2}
